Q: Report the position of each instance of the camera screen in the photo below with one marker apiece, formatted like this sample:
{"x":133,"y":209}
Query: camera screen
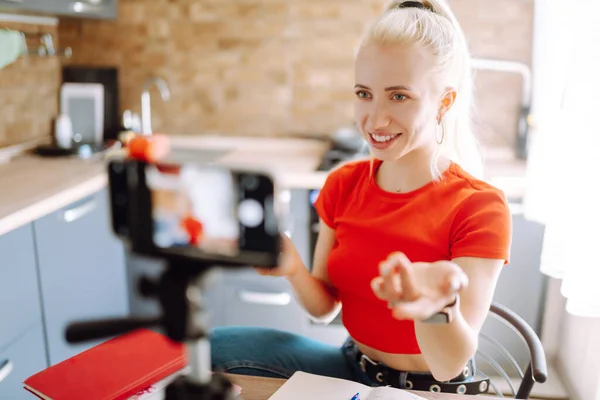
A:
{"x":194,"y":206}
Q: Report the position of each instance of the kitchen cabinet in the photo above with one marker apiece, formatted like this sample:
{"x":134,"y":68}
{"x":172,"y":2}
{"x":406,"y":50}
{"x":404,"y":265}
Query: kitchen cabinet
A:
{"x":18,"y":280}
{"x":27,"y":355}
{"x":95,"y":9}
{"x":21,"y":335}
{"x":82,"y":270}
{"x":253,"y":300}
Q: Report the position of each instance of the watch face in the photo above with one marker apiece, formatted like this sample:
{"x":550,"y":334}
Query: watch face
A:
{"x":439,"y":318}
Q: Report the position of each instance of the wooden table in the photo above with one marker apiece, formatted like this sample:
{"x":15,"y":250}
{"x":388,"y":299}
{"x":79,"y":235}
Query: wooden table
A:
{"x":257,"y":388}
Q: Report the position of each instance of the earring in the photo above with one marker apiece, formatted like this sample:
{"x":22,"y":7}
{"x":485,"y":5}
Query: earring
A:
{"x":443,"y":129}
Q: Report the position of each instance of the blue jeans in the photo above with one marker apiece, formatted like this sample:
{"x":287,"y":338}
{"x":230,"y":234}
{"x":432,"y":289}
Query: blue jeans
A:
{"x":272,"y":353}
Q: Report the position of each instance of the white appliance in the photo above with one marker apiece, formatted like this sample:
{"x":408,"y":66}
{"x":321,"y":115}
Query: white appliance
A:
{"x":83,"y":103}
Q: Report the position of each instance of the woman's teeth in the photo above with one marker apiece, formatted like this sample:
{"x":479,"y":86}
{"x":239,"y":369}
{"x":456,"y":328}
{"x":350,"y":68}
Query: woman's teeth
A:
{"x":381,"y":139}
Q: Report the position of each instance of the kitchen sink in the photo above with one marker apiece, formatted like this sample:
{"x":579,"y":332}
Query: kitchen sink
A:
{"x":204,"y":156}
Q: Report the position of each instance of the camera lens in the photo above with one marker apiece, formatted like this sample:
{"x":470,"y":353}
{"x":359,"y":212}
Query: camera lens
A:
{"x":250,"y":213}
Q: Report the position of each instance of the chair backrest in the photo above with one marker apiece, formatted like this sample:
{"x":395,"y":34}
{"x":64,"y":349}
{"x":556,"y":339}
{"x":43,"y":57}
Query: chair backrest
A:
{"x":499,"y":360}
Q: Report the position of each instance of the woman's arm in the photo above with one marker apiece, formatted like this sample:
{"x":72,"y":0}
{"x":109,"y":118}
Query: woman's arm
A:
{"x":416,"y":291}
{"x":313,"y":289}
{"x":447,"y":347}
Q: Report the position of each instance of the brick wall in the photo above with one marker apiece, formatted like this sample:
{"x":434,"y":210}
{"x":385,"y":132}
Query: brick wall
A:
{"x":265,"y":67}
{"x":28,"y":93}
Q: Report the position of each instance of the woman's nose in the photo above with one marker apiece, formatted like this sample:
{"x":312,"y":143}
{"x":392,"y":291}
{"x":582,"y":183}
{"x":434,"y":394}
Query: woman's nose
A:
{"x":379,"y":118}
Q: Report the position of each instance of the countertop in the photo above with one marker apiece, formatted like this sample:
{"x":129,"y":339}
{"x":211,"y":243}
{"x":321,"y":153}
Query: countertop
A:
{"x":32,"y":186}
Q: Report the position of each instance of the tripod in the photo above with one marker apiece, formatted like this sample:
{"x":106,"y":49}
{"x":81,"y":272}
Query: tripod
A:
{"x":179,"y":291}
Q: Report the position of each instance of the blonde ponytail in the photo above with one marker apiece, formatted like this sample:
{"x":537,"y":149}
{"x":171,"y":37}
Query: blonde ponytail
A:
{"x":435,"y":28}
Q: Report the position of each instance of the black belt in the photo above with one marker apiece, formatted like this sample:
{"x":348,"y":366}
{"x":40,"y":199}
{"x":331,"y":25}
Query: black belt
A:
{"x":387,"y":376}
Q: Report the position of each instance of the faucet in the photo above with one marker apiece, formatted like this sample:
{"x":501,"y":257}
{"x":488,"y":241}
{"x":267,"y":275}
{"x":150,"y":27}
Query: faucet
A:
{"x":163,"y":88}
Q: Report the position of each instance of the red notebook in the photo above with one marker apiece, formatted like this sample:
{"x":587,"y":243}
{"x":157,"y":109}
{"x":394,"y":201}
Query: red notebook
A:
{"x":114,"y":370}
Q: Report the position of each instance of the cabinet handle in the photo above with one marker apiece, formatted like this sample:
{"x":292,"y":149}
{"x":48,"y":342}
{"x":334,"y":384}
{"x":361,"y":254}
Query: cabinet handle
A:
{"x":86,"y":7}
{"x":13,"y":1}
{"x":271,"y":299}
{"x":6,"y":367}
{"x":78,"y":212}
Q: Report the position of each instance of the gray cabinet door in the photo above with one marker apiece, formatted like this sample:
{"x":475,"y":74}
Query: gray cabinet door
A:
{"x":82,"y":270}
{"x":261,"y":301}
{"x":27,"y":357}
{"x":19,"y":291}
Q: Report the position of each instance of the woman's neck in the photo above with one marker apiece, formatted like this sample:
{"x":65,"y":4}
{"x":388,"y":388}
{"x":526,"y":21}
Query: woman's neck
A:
{"x":408,"y":173}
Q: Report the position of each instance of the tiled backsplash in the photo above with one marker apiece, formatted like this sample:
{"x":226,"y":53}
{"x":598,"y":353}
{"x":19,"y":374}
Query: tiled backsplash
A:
{"x":28,"y":93}
{"x":260,"y":67}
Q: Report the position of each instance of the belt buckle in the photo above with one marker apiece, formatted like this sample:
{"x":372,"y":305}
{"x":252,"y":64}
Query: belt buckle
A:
{"x":363,"y":364}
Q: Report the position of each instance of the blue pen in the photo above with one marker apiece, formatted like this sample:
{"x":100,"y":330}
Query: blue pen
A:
{"x":356,"y":397}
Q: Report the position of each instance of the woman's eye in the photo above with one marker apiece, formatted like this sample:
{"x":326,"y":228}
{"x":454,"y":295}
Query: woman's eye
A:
{"x":362,"y":94}
{"x":399,"y":97}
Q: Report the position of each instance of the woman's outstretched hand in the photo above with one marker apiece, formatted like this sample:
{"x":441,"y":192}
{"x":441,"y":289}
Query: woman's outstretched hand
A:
{"x":416,"y":291}
{"x":289,"y":262}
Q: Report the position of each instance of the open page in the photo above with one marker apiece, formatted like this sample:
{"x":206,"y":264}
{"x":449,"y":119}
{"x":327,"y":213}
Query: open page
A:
{"x":388,"y":393}
{"x":303,"y":386}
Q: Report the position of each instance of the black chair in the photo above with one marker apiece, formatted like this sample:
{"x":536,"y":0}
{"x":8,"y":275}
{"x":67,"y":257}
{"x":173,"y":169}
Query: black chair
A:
{"x":536,"y":370}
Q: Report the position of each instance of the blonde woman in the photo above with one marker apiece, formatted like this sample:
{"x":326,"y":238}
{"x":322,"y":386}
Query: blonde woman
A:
{"x":411,"y":242}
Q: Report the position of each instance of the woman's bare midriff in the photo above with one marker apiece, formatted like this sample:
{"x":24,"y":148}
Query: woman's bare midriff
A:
{"x":402,"y":362}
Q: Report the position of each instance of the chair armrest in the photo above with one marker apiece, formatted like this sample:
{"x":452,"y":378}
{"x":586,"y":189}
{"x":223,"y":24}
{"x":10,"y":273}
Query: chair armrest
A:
{"x":538,"y":355}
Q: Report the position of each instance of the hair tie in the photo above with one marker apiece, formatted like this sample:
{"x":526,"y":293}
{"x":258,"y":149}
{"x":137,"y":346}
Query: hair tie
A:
{"x":413,"y":4}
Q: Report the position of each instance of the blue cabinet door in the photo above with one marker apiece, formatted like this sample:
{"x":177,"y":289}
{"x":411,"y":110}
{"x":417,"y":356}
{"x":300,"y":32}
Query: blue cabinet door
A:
{"x":19,"y":291}
{"x":82,"y":270}
{"x":26,"y":356}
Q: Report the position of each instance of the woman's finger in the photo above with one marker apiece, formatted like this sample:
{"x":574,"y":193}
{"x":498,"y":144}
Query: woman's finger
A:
{"x":454,"y":278}
{"x":408,"y":282}
{"x":377,"y":285}
{"x":389,"y":284}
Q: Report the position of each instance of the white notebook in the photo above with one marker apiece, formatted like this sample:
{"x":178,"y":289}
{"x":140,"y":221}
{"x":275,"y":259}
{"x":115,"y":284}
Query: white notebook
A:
{"x":302,"y":386}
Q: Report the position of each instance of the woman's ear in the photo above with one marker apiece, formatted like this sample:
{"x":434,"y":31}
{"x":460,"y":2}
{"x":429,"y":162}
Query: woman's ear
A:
{"x":448,"y":100}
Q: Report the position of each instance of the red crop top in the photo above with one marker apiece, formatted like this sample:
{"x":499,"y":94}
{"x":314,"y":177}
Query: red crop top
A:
{"x":460,"y":216}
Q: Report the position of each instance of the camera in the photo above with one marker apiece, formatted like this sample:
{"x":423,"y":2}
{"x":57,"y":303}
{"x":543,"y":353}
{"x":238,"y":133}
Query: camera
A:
{"x":195,"y":212}
{"x":195,"y":216}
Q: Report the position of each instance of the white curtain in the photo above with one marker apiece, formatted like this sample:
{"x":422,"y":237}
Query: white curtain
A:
{"x":563,"y":179}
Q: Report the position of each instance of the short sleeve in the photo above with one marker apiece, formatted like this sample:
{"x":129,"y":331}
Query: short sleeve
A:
{"x":483,"y":227}
{"x":327,"y":200}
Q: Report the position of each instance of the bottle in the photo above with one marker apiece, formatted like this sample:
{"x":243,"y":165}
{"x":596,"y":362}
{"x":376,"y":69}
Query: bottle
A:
{"x":63,"y":132}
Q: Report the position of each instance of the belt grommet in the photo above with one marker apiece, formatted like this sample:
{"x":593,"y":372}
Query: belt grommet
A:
{"x":379,"y":377}
{"x":435,"y":388}
{"x":466,"y":372}
{"x":461,"y":389}
{"x":483,"y":387}
{"x":409,"y":385}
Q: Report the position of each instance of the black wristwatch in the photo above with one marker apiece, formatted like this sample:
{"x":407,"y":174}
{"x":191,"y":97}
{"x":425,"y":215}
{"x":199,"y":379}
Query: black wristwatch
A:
{"x":445,"y":316}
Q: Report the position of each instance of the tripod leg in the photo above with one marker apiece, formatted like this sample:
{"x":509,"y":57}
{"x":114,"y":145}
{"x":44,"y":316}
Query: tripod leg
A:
{"x":199,"y":360}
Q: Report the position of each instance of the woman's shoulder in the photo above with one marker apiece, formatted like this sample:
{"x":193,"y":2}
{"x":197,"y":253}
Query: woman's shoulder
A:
{"x":476,"y":193}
